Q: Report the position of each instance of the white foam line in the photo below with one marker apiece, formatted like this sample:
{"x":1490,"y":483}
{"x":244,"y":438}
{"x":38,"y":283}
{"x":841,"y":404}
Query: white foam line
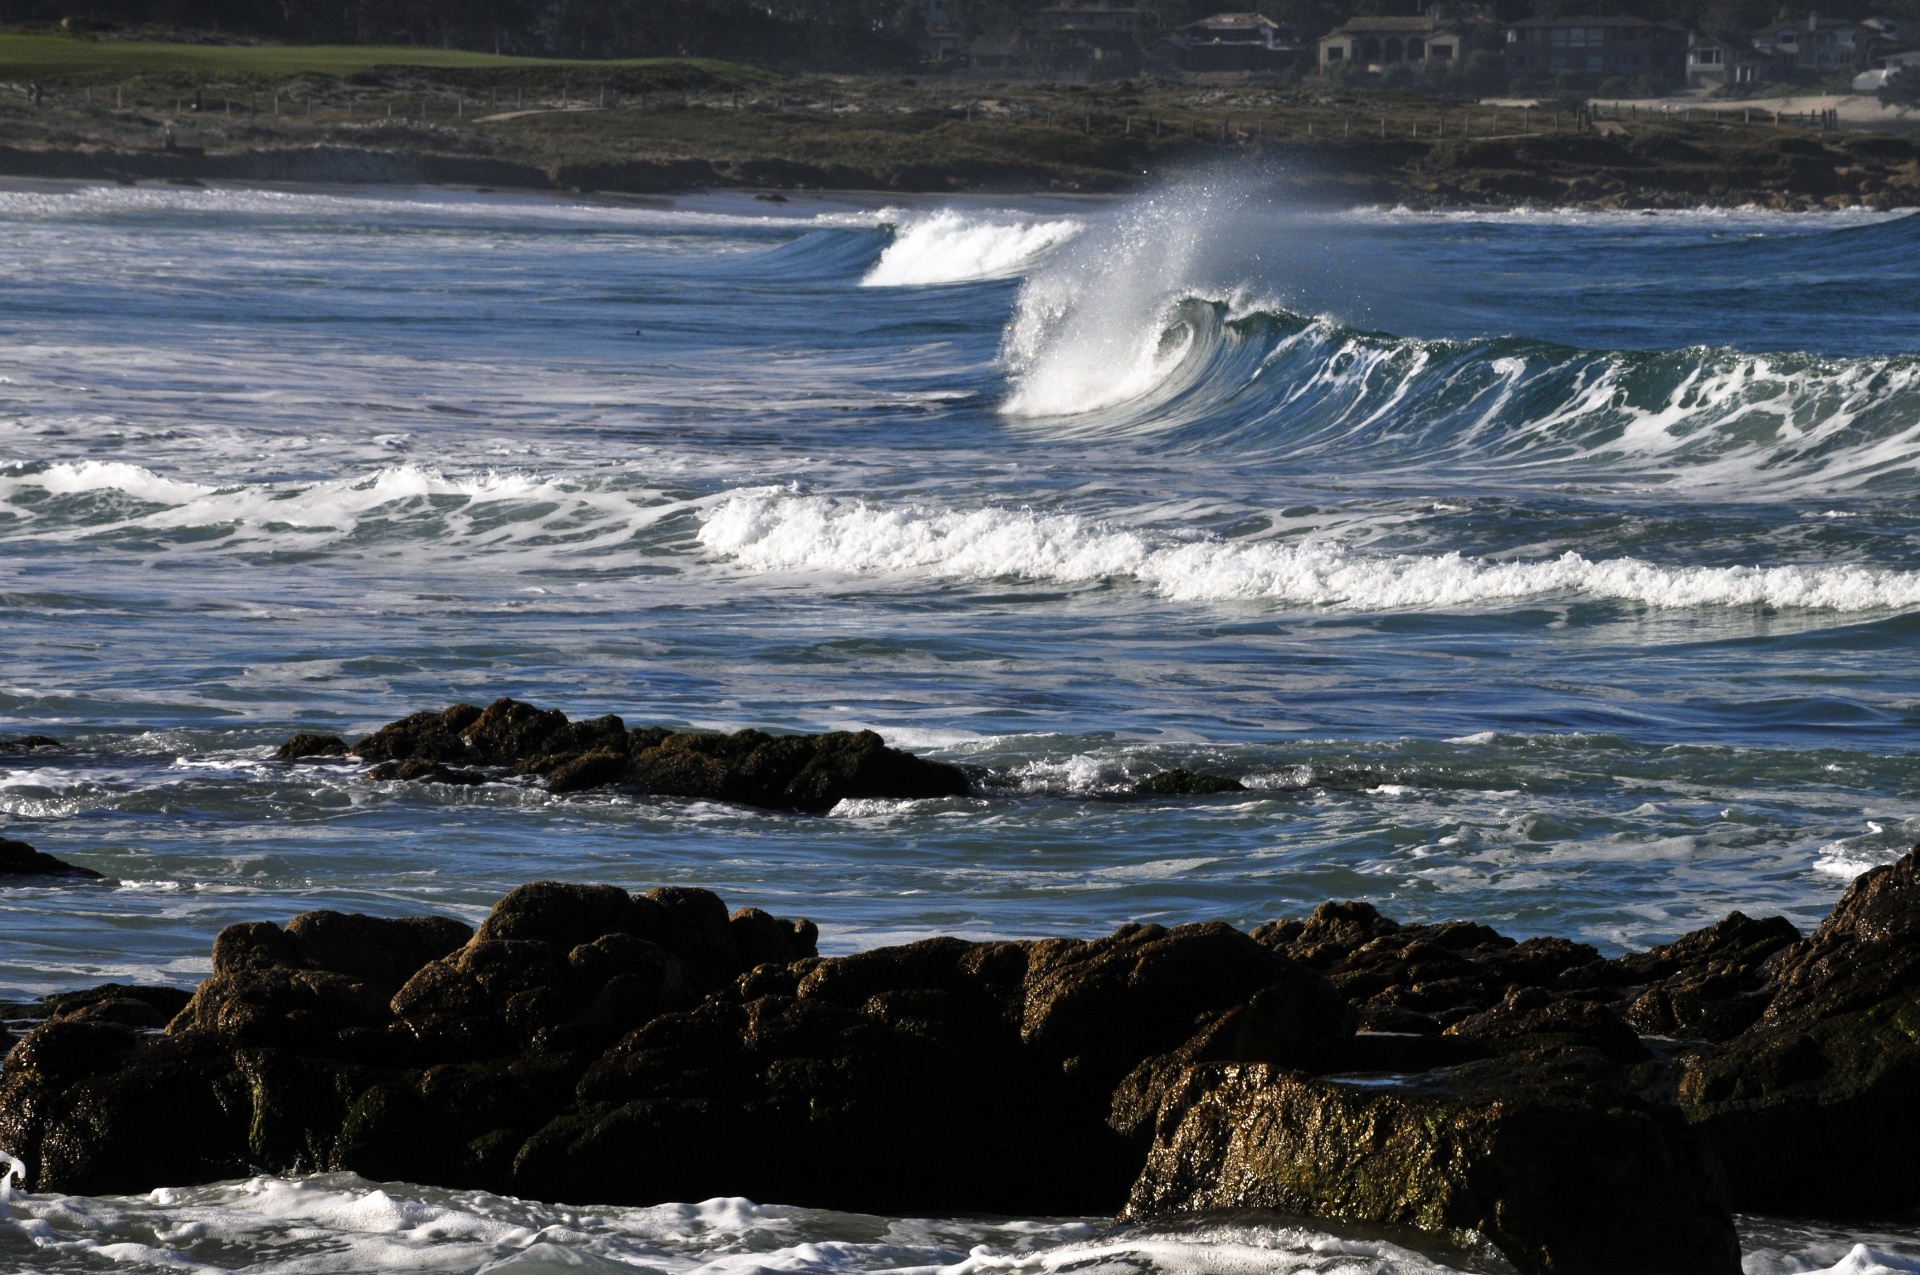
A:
{"x":773,"y":530}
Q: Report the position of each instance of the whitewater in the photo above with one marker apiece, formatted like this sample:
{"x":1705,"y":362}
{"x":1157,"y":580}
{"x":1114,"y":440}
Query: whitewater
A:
{"x":1520,"y":574}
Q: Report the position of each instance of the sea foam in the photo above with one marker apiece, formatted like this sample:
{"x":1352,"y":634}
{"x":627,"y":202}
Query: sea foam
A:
{"x":773,"y":530}
{"x":956,"y":247}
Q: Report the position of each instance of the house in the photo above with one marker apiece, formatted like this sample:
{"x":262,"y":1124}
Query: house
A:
{"x":1228,"y":42}
{"x":1093,"y":36}
{"x":1892,"y":30}
{"x":1590,"y":45}
{"x":1884,"y":69}
{"x":933,"y":28}
{"x":1377,"y":43}
{"x":1816,"y":44}
{"x":1713,"y":64}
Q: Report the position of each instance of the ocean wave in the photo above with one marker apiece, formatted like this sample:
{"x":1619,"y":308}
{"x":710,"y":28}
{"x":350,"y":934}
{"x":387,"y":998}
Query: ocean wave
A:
{"x":774,"y":530}
{"x":1149,"y":327}
{"x":956,"y":247}
{"x":395,"y":506}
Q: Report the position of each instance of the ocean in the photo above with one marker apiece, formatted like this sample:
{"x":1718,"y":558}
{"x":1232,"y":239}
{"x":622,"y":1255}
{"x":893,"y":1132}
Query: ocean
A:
{"x":1554,"y":570}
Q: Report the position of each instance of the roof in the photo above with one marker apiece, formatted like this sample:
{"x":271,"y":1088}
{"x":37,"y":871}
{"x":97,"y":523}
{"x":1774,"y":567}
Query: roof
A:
{"x":1235,"y":22}
{"x":1593,"y":20}
{"x":1818,"y":24}
{"x":1392,"y":26}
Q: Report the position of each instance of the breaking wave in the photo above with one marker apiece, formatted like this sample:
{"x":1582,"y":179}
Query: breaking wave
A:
{"x":1151,"y":327}
{"x":773,"y":530}
{"x":953,"y":247}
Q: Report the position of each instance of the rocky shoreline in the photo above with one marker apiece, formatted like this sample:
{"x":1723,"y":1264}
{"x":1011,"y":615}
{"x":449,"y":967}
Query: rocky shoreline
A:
{"x":587,"y":1044}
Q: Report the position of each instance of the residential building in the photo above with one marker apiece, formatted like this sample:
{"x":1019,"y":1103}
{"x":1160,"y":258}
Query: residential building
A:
{"x":1892,"y":30}
{"x":1816,"y":44}
{"x":1885,"y":68}
{"x":1713,"y":64}
{"x":1092,"y":37}
{"x":1229,"y":42}
{"x":932,"y":25}
{"x":1595,"y":46}
{"x":1377,"y":43}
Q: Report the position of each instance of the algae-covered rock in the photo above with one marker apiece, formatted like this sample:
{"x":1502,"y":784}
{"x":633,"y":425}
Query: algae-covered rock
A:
{"x":1550,"y":1157}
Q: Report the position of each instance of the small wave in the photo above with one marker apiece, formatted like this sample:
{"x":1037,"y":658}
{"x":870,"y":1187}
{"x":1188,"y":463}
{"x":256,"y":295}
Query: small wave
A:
{"x":772,"y":530}
{"x":954,"y":247}
{"x":402,"y":505}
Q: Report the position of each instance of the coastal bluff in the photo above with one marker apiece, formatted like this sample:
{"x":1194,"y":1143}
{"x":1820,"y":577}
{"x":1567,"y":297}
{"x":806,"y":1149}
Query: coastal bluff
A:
{"x":588,"y":1044}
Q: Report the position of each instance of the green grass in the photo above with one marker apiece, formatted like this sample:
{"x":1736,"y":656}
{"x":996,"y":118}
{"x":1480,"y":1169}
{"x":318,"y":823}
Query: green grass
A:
{"x":46,"y":57}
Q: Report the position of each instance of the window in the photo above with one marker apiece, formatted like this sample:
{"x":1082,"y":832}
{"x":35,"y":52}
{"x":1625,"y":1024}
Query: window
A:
{"x":1415,"y":50}
{"x":1335,"y":53}
{"x":1440,"y":52}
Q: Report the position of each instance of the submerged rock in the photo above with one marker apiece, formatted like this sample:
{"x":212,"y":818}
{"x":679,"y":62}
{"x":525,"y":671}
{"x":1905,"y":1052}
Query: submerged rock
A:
{"x":18,"y":859}
{"x":1185,"y":783}
{"x":27,"y":743}
{"x":808,"y":773}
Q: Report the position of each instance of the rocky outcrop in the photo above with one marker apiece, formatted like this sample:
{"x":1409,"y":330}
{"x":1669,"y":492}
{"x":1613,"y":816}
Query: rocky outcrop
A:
{"x":20,"y":860}
{"x":507,"y":738}
{"x":1829,"y":1074}
{"x":592,"y":1044}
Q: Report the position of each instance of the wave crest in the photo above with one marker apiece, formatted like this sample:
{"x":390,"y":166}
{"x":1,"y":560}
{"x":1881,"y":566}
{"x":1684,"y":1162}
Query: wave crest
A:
{"x":953,"y":247}
{"x":770,"y":530}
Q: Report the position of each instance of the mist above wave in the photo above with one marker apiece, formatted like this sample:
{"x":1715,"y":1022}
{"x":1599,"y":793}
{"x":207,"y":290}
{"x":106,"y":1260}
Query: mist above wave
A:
{"x":771,"y":530}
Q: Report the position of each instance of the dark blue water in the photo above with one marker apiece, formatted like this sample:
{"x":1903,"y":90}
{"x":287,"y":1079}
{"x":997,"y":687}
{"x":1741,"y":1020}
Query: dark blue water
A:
{"x":1561,"y":571}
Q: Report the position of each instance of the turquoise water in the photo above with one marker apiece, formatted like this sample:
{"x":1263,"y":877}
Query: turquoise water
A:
{"x":1560,"y":571}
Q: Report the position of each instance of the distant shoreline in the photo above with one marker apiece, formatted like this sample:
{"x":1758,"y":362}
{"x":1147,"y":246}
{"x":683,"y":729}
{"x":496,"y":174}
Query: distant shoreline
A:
{"x":1464,"y":188}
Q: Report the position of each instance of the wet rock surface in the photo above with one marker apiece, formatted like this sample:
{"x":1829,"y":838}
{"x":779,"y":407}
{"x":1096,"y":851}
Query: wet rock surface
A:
{"x":596,"y":1045}
{"x":20,"y":861}
{"x":467,"y":744}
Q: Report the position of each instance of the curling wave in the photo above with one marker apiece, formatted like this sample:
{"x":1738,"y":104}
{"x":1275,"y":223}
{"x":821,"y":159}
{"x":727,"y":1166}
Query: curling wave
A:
{"x":1190,"y":321}
{"x":773,"y":530}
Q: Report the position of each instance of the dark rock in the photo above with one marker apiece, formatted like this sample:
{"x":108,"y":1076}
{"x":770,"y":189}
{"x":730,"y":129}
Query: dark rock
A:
{"x":130,"y":1005}
{"x":788,"y":772}
{"x":1444,"y":972}
{"x":1711,"y":984}
{"x":419,"y":770}
{"x":302,"y":746}
{"x":1530,"y":1018}
{"x":422,"y":736}
{"x":27,"y":743}
{"x":18,"y":859}
{"x":1811,"y":1108}
{"x":1185,"y":783}
{"x":1550,"y":1157}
